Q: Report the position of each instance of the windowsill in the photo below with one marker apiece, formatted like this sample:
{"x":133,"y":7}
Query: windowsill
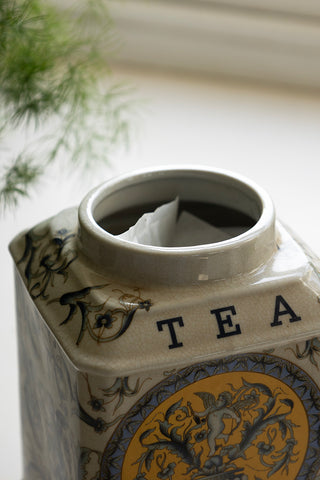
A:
{"x":279,"y":43}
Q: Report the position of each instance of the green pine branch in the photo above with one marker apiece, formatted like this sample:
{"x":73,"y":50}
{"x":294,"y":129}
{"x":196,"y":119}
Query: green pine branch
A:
{"x":18,"y":176}
{"x":51,"y":63}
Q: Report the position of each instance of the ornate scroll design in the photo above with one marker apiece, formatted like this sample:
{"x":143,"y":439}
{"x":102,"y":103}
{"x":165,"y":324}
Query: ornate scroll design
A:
{"x":310,"y":351}
{"x":47,"y":258}
{"x":103,"y":323}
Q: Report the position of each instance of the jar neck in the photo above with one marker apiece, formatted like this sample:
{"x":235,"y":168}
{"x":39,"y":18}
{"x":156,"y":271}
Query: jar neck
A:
{"x":142,"y":264}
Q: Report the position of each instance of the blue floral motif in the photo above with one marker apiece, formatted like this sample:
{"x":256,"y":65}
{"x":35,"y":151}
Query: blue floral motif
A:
{"x":97,"y":404}
{"x":167,"y":472}
{"x":104,"y":320}
{"x":200,"y":436}
{"x":265,"y":448}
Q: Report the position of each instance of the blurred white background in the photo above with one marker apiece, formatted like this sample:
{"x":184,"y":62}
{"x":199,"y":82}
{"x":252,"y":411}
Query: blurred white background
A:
{"x":270,"y":134}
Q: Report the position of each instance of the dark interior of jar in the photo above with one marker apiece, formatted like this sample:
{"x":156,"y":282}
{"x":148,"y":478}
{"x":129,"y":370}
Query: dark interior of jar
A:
{"x":228,"y":219}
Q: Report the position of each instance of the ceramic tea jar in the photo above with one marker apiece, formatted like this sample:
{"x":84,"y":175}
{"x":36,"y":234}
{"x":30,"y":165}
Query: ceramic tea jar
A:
{"x":141,"y":362}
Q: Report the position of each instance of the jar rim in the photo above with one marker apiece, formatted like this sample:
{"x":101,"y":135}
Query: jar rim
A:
{"x":114,"y":254}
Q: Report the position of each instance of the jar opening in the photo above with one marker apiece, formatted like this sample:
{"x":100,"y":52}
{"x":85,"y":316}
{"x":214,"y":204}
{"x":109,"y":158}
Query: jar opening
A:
{"x":230,"y":206}
{"x":231,"y":221}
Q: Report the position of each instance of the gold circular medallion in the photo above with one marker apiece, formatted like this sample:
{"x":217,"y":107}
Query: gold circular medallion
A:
{"x":248,"y":424}
{"x":246,"y":417}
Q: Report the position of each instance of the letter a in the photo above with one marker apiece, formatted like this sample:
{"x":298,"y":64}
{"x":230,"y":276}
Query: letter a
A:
{"x":287,"y":310}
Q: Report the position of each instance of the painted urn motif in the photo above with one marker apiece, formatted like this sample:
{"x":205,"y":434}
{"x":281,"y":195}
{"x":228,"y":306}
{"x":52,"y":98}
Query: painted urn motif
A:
{"x":147,"y":362}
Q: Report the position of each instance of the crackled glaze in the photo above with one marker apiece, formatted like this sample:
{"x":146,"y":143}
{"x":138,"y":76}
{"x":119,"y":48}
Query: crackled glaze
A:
{"x":142,"y":363}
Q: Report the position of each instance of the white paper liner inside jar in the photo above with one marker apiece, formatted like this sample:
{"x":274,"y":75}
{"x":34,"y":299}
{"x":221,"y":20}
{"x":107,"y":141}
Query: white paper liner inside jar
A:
{"x":165,"y":228}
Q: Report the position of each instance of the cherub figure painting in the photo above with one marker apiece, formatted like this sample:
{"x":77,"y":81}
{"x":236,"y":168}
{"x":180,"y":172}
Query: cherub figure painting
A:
{"x":215,"y":411}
